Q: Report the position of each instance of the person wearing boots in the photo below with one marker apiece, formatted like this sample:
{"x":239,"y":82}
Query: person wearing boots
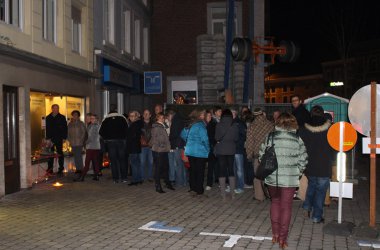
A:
{"x":92,"y":149}
{"x":160,"y":148}
{"x":226,"y":136}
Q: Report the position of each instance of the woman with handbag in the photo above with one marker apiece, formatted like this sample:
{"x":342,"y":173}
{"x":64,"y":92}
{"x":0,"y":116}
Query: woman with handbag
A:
{"x":197,"y":149}
{"x":226,"y":137}
{"x":292,"y":159}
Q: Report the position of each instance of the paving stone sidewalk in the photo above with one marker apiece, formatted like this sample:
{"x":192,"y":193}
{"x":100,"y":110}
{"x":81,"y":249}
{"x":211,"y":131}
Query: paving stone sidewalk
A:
{"x":103,"y":215}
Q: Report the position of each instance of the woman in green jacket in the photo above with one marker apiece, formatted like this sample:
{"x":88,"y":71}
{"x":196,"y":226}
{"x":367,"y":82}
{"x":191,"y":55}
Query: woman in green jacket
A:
{"x":282,"y":183}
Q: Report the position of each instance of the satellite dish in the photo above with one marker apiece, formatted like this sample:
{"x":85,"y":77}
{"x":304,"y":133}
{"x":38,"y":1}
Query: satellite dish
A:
{"x":359,"y":110}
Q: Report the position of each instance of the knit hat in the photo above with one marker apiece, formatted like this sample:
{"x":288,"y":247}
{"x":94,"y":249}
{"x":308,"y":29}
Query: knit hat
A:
{"x":257,"y":111}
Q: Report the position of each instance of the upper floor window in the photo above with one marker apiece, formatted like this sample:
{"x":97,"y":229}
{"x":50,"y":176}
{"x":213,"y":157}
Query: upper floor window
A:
{"x":10,"y":12}
{"x":127,"y":29}
{"x":49,"y":20}
{"x":109,"y":20}
{"x":76,"y":27}
{"x":217,"y":18}
{"x":137,"y":42}
{"x":146,"y":44}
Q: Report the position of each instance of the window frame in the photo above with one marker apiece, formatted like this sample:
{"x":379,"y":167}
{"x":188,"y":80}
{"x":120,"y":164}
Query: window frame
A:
{"x":44,"y":22}
{"x":79,"y":51}
{"x":7,"y":13}
{"x":137,"y":37}
{"x":146,"y":41}
{"x":109,"y":21}
{"x":238,"y":17}
{"x":127,"y":33}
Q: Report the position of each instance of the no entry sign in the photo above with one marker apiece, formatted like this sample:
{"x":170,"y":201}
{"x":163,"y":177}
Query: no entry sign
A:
{"x":349,"y":136}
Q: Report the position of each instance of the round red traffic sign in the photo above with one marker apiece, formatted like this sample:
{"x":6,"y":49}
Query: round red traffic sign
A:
{"x":348,"y":132}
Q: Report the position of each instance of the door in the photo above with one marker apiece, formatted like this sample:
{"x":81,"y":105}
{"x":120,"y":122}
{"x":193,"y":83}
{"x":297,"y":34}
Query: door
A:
{"x":11,"y":139}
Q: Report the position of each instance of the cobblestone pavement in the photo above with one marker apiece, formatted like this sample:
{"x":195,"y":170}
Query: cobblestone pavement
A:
{"x":103,"y":215}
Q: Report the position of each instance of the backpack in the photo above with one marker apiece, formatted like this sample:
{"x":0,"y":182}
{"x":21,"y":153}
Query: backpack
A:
{"x":268,"y":163}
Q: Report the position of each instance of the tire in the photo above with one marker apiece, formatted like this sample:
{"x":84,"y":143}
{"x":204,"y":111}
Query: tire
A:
{"x":241,"y":49}
{"x":292,"y":52}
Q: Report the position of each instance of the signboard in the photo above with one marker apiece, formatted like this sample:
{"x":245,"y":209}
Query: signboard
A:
{"x":347,"y":190}
{"x":117,"y":76}
{"x":367,"y":142}
{"x":184,"y":91}
{"x":153,"y":82}
{"x":348,"y":133}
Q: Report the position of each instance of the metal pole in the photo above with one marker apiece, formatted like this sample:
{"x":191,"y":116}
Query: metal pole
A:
{"x":372,"y":192}
{"x":340,"y":166}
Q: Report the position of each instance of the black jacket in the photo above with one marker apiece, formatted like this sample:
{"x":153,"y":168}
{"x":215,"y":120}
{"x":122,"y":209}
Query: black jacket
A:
{"x":175,"y":132}
{"x":56,"y":128}
{"x":211,"y":126}
{"x":242,"y":136}
{"x":114,"y":127}
{"x":226,"y":135}
{"x":321,"y":155}
{"x":134,"y":136}
{"x":302,"y":115}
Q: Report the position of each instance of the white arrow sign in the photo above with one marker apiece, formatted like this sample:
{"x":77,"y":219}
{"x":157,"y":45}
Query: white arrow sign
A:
{"x":235,"y":237}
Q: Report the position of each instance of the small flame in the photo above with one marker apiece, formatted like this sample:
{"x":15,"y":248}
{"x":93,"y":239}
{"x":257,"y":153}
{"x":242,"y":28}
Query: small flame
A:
{"x":57,"y":184}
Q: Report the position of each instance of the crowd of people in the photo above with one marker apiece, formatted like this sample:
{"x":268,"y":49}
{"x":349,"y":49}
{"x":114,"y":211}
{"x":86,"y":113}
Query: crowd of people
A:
{"x":225,"y":145}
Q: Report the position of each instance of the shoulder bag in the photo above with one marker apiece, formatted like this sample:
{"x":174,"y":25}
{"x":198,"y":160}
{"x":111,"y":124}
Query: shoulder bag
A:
{"x":268,"y":163}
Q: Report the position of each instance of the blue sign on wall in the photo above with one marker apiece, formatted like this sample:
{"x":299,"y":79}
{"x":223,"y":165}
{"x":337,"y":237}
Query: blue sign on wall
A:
{"x":153,"y":82}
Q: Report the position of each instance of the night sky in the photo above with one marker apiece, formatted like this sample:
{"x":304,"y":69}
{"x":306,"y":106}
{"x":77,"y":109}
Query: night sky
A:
{"x":311,"y":25}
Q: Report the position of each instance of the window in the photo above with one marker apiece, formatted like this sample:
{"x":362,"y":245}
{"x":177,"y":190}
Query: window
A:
{"x":146,"y":44}
{"x":76,"y":28}
{"x":127,"y":29}
{"x":137,"y":42}
{"x":10,"y":12}
{"x":284,"y":88}
{"x":49,"y":20}
{"x":267,"y":90}
{"x":273,"y":99}
{"x":217,"y":18}
{"x":267,"y":100}
{"x":292,"y":88}
{"x":285,"y":99}
{"x":109,"y":20}
{"x":273,"y":89}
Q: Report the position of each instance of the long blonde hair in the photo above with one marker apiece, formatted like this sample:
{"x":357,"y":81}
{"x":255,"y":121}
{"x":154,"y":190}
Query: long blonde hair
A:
{"x":196,"y":114}
{"x":287,"y":121}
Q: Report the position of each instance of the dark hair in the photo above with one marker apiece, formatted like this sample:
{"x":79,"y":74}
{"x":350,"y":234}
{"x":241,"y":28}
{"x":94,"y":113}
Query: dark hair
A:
{"x":75,"y":112}
{"x":317,"y":111}
{"x":216,"y":108}
{"x":159,"y":115}
{"x":89,"y":114}
{"x":295,"y":95}
{"x":226,"y":112}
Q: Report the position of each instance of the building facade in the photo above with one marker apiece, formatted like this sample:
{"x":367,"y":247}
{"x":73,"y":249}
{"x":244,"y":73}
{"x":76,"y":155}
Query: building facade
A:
{"x":122,"y":49}
{"x":46,"y":57}
{"x":189,"y":48}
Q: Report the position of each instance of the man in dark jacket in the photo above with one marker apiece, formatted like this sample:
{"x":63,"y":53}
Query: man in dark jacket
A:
{"x":318,"y":169}
{"x":56,"y":131}
{"x":113,"y":131}
{"x":134,"y":146}
{"x":299,"y":111}
{"x":177,"y":171}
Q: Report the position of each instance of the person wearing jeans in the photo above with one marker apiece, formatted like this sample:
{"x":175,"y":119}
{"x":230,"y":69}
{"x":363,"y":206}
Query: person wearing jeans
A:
{"x":319,"y":168}
{"x":240,"y":152}
{"x":177,"y":166}
{"x":134,"y":146}
{"x":146,"y":158}
{"x":292,"y":159}
{"x":315,"y":196}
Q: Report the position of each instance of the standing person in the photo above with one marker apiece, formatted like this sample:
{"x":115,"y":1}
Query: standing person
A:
{"x":77,"y":136}
{"x":113,"y":131}
{"x":299,"y":111}
{"x":160,"y":149}
{"x":247,"y":118}
{"x":318,"y":170}
{"x":276,"y":114}
{"x":56,"y":131}
{"x":177,"y":172}
{"x":256,"y":133}
{"x":92,"y":149}
{"x":87,"y":119}
{"x":282,"y":183}
{"x":146,"y":158}
{"x":226,"y":136}
{"x":211,"y":161}
{"x":157,"y":109}
{"x":240,"y":154}
{"x":197,"y":149}
{"x":134,"y":147}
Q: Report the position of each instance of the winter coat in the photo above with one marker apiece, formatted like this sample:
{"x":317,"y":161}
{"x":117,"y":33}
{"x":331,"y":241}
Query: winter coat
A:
{"x":146,"y":132}
{"x":242,"y":127}
{"x":211,"y":126}
{"x":114,"y":127}
{"x":226,"y":136}
{"x":93,"y":140}
{"x":175,"y":132}
{"x":291,"y":157}
{"x":197,"y":144}
{"x":160,"y":139}
{"x":321,"y":155}
{"x":302,"y":115}
{"x":76,"y":133}
{"x":56,"y":128}
{"x":134,"y":137}
{"x":256,"y":133}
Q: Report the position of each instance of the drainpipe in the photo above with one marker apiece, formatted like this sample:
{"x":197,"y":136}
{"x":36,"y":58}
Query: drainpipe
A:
{"x":230,"y":24}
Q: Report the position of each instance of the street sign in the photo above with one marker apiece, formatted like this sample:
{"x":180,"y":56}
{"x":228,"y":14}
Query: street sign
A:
{"x":153,"y":82}
{"x":349,"y":136}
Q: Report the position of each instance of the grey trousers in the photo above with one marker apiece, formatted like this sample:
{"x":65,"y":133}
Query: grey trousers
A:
{"x":78,"y":160}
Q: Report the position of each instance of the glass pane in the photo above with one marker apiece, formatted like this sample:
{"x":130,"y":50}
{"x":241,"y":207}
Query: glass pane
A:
{"x":76,"y":28}
{"x":2,"y":10}
{"x":137,"y":39}
{"x":14,"y":12}
{"x":218,"y":28}
{"x":127,"y":31}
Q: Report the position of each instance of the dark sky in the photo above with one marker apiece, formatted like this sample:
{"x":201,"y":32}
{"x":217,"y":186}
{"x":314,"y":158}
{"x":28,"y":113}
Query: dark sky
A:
{"x":311,"y":24}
